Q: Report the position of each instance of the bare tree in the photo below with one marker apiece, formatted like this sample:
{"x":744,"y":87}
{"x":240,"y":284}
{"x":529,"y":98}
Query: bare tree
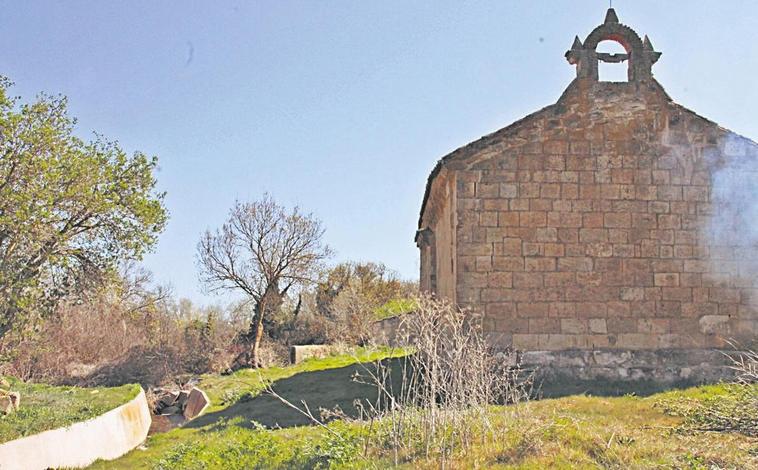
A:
{"x":263,"y":251}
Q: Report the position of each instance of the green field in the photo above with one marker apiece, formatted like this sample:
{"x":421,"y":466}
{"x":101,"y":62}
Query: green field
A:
{"x":247,"y":430}
{"x":45,"y":407}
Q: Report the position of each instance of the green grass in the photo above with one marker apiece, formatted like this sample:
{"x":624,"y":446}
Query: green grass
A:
{"x":577,"y":431}
{"x":45,"y":407}
{"x":226,"y":390}
{"x":227,"y":427}
{"x":394,"y":308}
{"x":726,"y":407}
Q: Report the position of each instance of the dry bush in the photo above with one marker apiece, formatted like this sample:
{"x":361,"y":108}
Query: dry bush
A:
{"x":109,"y":340}
{"x":435,"y":401}
{"x":745,"y":366}
{"x":446,"y":386}
{"x":350,"y":296}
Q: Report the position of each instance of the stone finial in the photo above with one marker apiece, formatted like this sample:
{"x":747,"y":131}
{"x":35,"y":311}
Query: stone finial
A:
{"x":611,"y":17}
{"x":647,"y":45}
{"x":650,"y":54}
{"x":576,"y":53}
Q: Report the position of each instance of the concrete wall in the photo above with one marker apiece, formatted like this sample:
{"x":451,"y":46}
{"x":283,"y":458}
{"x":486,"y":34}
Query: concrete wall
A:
{"x":299,"y":354}
{"x":106,"y":437}
{"x":387,"y":331}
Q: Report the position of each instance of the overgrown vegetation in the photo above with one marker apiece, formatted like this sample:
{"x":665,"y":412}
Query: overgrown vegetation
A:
{"x":725,"y":408}
{"x":351,"y":296}
{"x":47,"y":407}
{"x":70,"y":210}
{"x":133,"y":331}
{"x":570,"y":432}
{"x":437,"y":403}
{"x":128,"y":332}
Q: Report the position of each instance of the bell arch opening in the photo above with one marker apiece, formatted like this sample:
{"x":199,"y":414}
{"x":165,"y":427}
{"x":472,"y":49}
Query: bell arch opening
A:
{"x":613,"y":62}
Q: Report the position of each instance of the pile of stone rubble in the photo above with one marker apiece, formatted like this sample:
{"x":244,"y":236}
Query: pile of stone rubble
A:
{"x":9,"y":401}
{"x":174,"y":407}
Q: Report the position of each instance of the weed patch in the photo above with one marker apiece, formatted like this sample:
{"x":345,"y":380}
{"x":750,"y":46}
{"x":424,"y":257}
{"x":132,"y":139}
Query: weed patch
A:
{"x":734,"y":409}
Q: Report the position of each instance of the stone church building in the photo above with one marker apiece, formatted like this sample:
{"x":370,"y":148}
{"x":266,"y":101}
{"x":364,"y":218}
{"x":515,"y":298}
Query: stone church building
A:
{"x":612,"y":234}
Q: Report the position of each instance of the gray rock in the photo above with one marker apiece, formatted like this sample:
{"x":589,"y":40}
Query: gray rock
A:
{"x":6,"y":405}
{"x":182,"y":398}
{"x":171,"y":410}
{"x":169,"y":399}
{"x":197,"y":402}
{"x":15,"y":399}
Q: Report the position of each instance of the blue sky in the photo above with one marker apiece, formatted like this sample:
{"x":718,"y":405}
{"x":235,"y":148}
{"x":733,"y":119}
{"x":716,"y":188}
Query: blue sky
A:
{"x":341,"y":107}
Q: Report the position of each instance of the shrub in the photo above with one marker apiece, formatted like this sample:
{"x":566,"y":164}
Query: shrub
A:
{"x":447,"y":385}
{"x":118,"y":337}
{"x":435,"y":401}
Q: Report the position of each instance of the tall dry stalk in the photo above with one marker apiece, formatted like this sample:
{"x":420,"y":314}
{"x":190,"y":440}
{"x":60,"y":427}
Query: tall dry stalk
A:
{"x":436,"y":401}
{"x":439,"y":401}
{"x":745,"y":366}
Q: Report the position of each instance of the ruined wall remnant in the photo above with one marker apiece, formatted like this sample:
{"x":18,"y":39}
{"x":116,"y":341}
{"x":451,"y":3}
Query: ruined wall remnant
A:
{"x":613,"y":220}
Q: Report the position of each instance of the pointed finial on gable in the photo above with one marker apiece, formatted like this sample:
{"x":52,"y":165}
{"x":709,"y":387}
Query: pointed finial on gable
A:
{"x":647,"y":48}
{"x":647,"y":45}
{"x":611,"y":16}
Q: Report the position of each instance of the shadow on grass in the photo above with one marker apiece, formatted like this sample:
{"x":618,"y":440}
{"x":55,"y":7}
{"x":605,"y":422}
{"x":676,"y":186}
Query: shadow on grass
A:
{"x":332,"y":389}
{"x":562,"y":386}
{"x":325,"y":389}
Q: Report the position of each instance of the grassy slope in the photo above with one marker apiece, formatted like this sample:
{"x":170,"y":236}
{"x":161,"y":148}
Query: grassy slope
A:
{"x":570,"y":432}
{"x":45,"y":407}
{"x":232,"y":407}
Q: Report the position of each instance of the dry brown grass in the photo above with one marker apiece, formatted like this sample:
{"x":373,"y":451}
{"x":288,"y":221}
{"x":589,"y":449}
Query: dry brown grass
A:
{"x":108,"y":342}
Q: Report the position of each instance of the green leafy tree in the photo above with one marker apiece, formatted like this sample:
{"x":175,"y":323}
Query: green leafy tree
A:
{"x":70,"y":210}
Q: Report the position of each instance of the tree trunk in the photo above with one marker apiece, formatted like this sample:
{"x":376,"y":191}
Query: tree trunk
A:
{"x":256,"y":333}
{"x":266,"y":305}
{"x":7,"y":317}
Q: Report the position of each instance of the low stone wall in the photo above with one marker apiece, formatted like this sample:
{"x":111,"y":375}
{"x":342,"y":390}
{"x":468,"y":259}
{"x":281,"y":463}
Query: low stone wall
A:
{"x":300,"y":353}
{"x":106,"y":437}
{"x":662,"y":367}
{"x":386,"y":331}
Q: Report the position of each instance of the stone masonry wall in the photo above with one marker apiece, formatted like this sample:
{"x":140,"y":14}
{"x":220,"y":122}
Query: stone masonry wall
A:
{"x":438,"y":248}
{"x":587,"y":225}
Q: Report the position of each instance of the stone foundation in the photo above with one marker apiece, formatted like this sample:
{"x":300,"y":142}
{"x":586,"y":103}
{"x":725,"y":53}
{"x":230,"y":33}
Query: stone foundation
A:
{"x":663,"y":366}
